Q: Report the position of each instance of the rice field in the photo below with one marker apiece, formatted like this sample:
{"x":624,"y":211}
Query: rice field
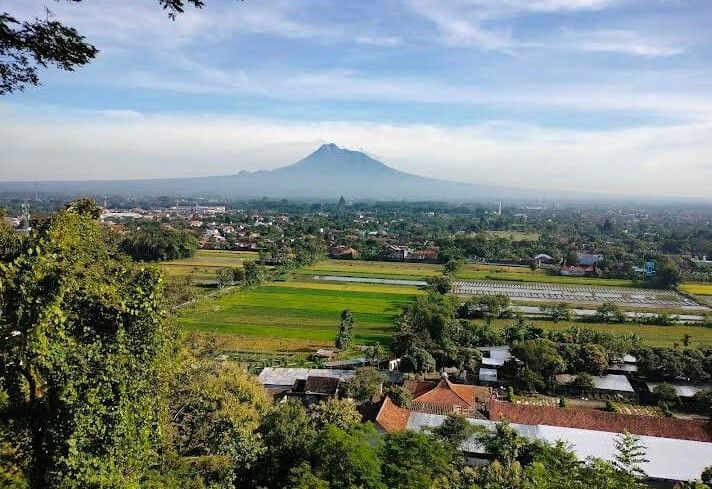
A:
{"x":294,"y":315}
{"x":696,"y":288}
{"x":205,"y":265}
{"x":651,"y":335}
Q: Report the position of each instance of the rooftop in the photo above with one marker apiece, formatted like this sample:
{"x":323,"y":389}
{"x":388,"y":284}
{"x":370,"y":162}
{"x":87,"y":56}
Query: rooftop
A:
{"x":591,"y":419}
{"x":682,"y":390}
{"x":610,"y":382}
{"x":278,"y":376}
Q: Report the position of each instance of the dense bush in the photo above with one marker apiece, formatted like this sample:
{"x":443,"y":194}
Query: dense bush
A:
{"x":158,"y":243}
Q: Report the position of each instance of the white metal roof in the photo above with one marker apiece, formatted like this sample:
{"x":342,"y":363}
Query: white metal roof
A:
{"x":488,"y":374}
{"x":682,"y":390}
{"x":610,"y":382}
{"x":287,"y":376}
{"x":668,"y":459}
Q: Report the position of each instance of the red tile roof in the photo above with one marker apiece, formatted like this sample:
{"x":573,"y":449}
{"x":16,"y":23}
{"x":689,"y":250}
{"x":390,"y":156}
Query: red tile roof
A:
{"x":589,"y":419}
{"x":449,"y":394}
{"x":391,"y":417}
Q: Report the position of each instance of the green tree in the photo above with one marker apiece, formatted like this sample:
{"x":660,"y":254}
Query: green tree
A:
{"x":455,"y":430}
{"x":563,"y":311}
{"x":665,"y":395}
{"x":452,"y":266}
{"x":88,"y":356}
{"x":365,"y":384}
{"x":27,"y":46}
{"x":254,"y":273}
{"x":541,"y":361}
{"x":288,"y":434}
{"x":341,"y":413}
{"x":440,"y":284}
{"x":399,"y":395}
{"x":608,"y":312}
{"x":413,"y":460}
{"x":302,"y":477}
{"x":417,"y":360}
{"x":216,"y":410}
{"x":630,"y":456}
{"x":346,"y":329}
{"x":348,"y":459}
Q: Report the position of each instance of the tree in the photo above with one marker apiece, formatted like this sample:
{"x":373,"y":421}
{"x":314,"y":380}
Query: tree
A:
{"x":288,"y":434}
{"x":365,"y":384}
{"x":226,"y":277}
{"x":28,"y":45}
{"x":489,"y":306}
{"x":609,"y":312}
{"x":455,"y":430}
{"x":302,"y":477}
{"x":667,"y":273}
{"x":630,"y":456}
{"x":441,"y":284}
{"x":215,"y":410}
{"x":452,"y":266}
{"x":584,"y":381}
{"x":541,"y":362}
{"x":413,"y":460}
{"x":348,"y":459}
{"x":417,"y":360}
{"x":346,"y":329}
{"x":85,"y":357}
{"x":254,"y":274}
{"x":665,"y":395}
{"x":341,"y":413}
{"x":563,"y":311}
{"x":159,"y":243}
{"x":399,"y":395}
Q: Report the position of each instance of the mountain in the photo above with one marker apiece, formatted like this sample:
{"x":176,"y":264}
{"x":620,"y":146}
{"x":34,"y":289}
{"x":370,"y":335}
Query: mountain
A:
{"x":328,"y":172}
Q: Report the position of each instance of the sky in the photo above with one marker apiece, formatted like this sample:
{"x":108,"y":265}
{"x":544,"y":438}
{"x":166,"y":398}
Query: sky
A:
{"x":609,"y":96}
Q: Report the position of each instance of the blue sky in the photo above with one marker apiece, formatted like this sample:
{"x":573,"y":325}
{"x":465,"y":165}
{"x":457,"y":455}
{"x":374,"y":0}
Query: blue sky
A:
{"x":595,"y":95}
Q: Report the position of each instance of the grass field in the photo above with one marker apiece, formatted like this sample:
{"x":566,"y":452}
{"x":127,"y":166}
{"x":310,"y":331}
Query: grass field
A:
{"x":297,"y":315}
{"x":651,"y":335}
{"x":206,"y":263}
{"x":473,"y":271}
{"x":696,"y":288}
{"x":515,"y":235}
{"x":302,"y":316}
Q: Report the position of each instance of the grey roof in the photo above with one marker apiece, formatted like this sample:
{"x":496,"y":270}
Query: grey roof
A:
{"x":500,"y":353}
{"x":273,"y":376}
{"x":492,"y":362}
{"x":623,"y":367}
{"x":668,"y":459}
{"x":628,"y":358}
{"x":682,"y":390}
{"x":488,"y":374}
{"x":353,"y":362}
{"x":610,"y":382}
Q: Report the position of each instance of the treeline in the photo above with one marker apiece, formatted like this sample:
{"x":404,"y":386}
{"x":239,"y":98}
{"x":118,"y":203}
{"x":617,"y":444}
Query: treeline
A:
{"x":159,"y":243}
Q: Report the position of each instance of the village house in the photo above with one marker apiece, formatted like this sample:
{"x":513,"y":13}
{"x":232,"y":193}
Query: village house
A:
{"x":676,"y":449}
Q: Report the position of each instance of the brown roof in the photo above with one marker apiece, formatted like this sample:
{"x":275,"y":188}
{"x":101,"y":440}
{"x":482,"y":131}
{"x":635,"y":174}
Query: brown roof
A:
{"x":321,"y":385}
{"x":447,"y":393}
{"x":419,"y":387}
{"x":391,"y":417}
{"x":589,"y":419}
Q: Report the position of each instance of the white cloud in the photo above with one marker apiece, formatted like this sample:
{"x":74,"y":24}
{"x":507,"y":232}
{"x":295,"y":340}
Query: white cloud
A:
{"x":619,"y":41}
{"x":670,"y":160}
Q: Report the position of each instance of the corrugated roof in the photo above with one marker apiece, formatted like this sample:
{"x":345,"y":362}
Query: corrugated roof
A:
{"x":668,"y":459}
{"x":610,"y":382}
{"x":273,"y":376}
{"x":682,"y":390}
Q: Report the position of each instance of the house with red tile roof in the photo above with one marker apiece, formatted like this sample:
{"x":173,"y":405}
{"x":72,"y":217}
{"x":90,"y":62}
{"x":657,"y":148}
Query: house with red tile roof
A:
{"x":445,"y":397}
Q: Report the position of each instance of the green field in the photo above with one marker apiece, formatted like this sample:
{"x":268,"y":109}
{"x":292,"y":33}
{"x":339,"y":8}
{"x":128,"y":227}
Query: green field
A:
{"x":651,"y":335}
{"x":206,"y":263}
{"x":473,"y":271}
{"x":306,"y":313}
{"x":302,"y":316}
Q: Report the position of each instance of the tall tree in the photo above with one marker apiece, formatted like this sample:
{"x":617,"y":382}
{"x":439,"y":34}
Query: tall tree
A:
{"x":26,"y":46}
{"x":85,"y":356}
{"x":346,"y":329}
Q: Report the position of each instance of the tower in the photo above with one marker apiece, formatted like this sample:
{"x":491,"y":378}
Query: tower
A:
{"x":499,"y":212}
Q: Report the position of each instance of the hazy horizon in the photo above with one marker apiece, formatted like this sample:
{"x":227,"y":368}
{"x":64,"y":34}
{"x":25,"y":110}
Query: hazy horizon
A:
{"x":601,"y":96}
